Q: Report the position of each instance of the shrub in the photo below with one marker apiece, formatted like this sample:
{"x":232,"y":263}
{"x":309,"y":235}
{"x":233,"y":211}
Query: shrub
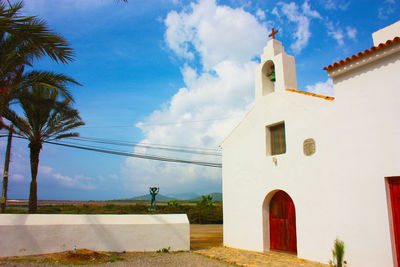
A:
{"x":337,"y":254}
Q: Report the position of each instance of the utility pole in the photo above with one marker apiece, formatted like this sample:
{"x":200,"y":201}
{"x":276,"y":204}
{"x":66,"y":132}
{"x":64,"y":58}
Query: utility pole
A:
{"x":5,"y":173}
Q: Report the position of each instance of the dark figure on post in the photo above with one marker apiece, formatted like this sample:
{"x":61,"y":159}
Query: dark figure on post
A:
{"x":153,"y":192}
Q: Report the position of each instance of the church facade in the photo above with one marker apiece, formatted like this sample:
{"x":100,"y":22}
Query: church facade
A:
{"x":301,"y":169}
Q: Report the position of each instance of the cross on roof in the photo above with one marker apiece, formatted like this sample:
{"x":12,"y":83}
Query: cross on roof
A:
{"x":273,"y":33}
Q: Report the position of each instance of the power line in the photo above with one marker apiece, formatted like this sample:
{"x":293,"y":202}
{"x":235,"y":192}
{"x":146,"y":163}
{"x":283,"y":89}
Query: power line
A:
{"x":143,"y":156}
{"x":97,"y":147}
{"x":134,"y":155}
{"x":184,"y":149}
{"x":149,"y":144}
{"x":158,"y":147}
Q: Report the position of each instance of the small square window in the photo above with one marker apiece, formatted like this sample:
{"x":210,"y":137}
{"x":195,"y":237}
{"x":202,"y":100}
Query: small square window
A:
{"x":278,"y":142}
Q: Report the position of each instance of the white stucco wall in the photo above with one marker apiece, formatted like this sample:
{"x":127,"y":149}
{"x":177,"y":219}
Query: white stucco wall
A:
{"x":337,"y":192}
{"x":387,"y":33}
{"x":22,"y":234}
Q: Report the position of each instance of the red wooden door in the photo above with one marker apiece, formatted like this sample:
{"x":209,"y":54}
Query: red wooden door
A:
{"x":394,"y":185}
{"x":282,"y":223}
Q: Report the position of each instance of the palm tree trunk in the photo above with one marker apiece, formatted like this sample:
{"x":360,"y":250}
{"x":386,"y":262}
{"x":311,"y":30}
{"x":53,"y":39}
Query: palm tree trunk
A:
{"x":3,"y":200}
{"x":34,"y":156}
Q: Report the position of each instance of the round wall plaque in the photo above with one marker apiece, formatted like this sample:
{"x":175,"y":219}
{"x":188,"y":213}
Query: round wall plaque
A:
{"x":309,"y":147}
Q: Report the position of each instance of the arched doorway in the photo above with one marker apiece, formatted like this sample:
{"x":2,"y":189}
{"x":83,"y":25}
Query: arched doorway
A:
{"x":282,"y":223}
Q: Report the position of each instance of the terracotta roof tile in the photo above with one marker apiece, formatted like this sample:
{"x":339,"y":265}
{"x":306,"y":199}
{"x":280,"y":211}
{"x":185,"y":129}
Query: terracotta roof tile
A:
{"x":362,"y":54}
{"x":330,"y":98}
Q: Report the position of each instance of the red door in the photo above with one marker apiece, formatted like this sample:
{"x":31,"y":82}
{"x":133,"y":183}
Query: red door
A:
{"x":282,"y":223}
{"x":394,"y":185}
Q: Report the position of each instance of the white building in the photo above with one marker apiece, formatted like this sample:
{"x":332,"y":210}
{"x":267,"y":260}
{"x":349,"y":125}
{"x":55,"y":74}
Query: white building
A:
{"x":302,"y":169}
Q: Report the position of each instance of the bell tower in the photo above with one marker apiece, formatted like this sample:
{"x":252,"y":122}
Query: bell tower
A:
{"x":277,"y":70}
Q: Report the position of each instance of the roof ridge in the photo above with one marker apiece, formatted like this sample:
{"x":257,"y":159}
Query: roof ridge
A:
{"x":364,"y":53}
{"x":330,"y":98}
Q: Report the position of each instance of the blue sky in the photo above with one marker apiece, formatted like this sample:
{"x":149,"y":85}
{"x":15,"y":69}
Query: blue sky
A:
{"x":177,"y":73}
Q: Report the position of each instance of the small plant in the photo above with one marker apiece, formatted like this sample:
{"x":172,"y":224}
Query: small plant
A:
{"x":337,"y":254}
{"x":115,"y":259}
{"x":174,"y":203}
{"x":164,"y":250}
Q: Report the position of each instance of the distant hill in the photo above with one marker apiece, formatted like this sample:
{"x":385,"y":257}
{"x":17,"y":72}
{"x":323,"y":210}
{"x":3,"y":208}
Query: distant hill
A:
{"x":185,"y":196}
{"x":215,"y":197}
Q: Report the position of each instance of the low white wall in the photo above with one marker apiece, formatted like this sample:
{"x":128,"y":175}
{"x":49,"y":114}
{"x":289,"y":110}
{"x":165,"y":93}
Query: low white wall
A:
{"x":30,"y":234}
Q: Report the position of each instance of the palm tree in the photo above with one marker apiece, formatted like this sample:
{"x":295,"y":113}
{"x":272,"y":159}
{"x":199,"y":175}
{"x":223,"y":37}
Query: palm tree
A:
{"x":47,"y":80}
{"x":45,"y":119}
{"x":23,"y":39}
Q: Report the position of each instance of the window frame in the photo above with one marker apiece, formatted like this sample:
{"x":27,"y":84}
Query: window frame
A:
{"x":280,"y":130}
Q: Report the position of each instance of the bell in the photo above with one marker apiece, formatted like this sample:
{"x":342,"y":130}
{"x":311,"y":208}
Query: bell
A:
{"x":272,"y":77}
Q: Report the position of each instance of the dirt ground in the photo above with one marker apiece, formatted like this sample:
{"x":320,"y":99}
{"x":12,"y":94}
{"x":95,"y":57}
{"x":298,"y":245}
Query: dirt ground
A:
{"x":201,"y":237}
{"x":205,"y":236}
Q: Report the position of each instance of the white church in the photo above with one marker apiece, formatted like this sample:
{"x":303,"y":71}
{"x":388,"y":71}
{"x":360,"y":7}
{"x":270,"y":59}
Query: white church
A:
{"x":301,"y":169}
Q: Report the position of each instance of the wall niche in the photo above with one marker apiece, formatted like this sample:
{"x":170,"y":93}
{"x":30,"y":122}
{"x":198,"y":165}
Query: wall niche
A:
{"x":309,"y":147}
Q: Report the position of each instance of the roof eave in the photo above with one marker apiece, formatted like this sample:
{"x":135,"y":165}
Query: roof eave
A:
{"x":365,"y":57}
{"x":363,"y":60}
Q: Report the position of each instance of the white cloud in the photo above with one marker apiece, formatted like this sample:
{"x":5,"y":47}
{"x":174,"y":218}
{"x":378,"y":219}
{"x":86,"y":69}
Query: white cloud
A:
{"x":48,"y":176}
{"x":322,"y":88}
{"x":260,"y":14}
{"x":330,"y":4}
{"x":77,"y":182}
{"x":214,"y":33}
{"x":351,"y":32}
{"x":13,"y":177}
{"x":388,"y":7}
{"x":216,"y":95}
{"x":19,"y":178}
{"x":45,"y":170}
{"x":302,"y":18}
{"x":276,"y":12}
{"x":335,"y":32}
{"x":113,"y":176}
{"x":307,"y":11}
{"x":335,"y":4}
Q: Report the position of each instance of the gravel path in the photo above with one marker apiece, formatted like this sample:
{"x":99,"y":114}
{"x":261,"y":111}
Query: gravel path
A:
{"x":180,"y":259}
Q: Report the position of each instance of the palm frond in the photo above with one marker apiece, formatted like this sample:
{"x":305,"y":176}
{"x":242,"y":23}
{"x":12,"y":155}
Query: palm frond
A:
{"x":66,"y":135}
{"x":21,"y":125}
{"x":54,"y":82}
{"x":34,"y":32}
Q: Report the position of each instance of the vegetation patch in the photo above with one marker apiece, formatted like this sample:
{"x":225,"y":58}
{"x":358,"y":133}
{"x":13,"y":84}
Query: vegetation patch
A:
{"x":203,"y":212}
{"x":81,"y":256}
